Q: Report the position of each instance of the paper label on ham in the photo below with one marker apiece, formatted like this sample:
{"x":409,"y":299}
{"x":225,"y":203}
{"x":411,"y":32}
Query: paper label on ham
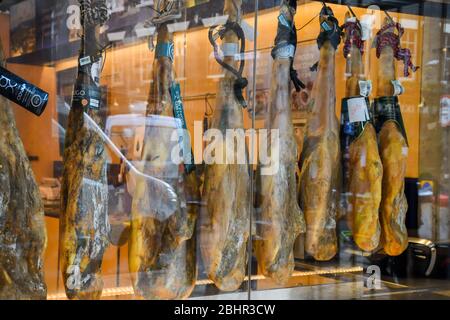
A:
{"x":367,"y":23}
{"x":444,"y":112}
{"x":85,"y":60}
{"x":285,"y":52}
{"x":357,"y":110}
{"x":229,"y":49}
{"x":365,"y":88}
{"x":398,"y":87}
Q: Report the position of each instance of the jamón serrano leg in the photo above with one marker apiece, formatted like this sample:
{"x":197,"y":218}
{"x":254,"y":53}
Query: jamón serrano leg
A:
{"x":280,"y":219}
{"x":84,"y":223}
{"x":363,"y":171}
{"x":23,"y":236}
{"x":162,"y":249}
{"x":321,"y":156}
{"x":393,"y":149}
{"x":225,"y":225}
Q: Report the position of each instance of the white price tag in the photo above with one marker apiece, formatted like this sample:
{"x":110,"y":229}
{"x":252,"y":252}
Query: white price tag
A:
{"x":405,"y":151}
{"x":398,"y":88}
{"x":445,"y":111}
{"x":357,"y":110}
{"x":85,"y":60}
{"x":94,"y":103}
{"x":285,"y":52}
{"x":365,"y":88}
{"x":367,"y":23}
{"x":229,"y":49}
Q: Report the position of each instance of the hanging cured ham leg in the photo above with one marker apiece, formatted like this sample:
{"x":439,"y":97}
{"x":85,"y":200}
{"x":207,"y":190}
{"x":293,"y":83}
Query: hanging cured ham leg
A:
{"x":225,"y":223}
{"x":84,"y":223}
{"x":23,"y":236}
{"x":363,"y":170}
{"x":280,"y":219}
{"x":162,"y":246}
{"x":392,"y":138}
{"x":321,"y":156}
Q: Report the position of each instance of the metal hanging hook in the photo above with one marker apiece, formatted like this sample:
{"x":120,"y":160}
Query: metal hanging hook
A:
{"x":351,"y":11}
{"x":354,"y":15}
{"x":389,"y":16}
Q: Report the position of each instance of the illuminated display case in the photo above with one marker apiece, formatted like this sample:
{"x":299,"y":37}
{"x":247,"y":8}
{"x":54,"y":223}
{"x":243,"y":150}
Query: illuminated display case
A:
{"x":225,"y":149}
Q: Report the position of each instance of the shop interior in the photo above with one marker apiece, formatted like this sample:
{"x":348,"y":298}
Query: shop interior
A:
{"x":46,"y":55}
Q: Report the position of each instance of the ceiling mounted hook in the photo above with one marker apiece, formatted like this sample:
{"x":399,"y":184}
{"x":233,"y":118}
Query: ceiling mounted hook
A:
{"x":389,"y":16}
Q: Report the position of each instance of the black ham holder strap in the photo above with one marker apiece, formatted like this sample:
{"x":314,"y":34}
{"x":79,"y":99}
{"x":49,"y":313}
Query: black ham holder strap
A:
{"x":285,"y":40}
{"x":330,"y":31}
{"x":386,"y":38}
{"x":240,"y":82}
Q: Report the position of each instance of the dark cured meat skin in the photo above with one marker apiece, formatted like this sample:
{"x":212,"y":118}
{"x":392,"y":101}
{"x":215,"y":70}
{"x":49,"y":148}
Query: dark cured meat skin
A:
{"x":365,"y":170}
{"x":319,"y":185}
{"x":23,"y":236}
{"x":224,"y":229}
{"x":280,"y":220}
{"x":84,"y":225}
{"x":162,"y":250}
{"x":393,"y":151}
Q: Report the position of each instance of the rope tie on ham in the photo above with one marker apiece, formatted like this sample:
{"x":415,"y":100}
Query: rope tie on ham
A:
{"x":93,"y":12}
{"x":240,"y":83}
{"x":165,"y":11}
{"x":392,"y":40}
{"x":286,"y":44}
{"x":353,"y":29}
